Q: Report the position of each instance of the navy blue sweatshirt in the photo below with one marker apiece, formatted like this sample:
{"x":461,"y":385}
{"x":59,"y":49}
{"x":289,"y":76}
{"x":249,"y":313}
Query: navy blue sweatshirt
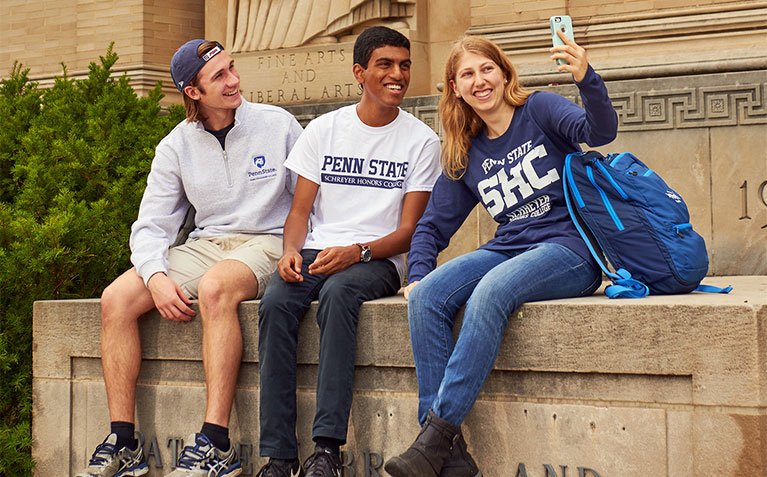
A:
{"x":518,"y":177}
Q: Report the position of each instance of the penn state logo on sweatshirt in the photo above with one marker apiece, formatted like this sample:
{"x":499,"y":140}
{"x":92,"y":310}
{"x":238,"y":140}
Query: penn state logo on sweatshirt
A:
{"x":363,"y":172}
{"x":259,"y":169}
{"x":513,"y":181}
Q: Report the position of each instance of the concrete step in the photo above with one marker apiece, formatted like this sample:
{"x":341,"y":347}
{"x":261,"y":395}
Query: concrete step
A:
{"x":664,"y":385}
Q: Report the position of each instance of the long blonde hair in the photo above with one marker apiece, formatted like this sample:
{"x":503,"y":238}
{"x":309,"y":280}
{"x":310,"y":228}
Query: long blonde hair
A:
{"x":459,"y":121}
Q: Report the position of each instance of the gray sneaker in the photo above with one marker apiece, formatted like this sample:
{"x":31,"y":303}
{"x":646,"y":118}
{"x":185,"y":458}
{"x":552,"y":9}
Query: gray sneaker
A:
{"x":108,"y":461}
{"x":202,"y":459}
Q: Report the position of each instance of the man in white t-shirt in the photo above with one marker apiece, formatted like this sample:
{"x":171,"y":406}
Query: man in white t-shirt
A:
{"x":365,"y":173}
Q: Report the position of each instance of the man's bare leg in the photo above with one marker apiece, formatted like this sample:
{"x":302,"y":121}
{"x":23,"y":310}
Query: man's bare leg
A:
{"x":122,"y":303}
{"x":221,"y":290}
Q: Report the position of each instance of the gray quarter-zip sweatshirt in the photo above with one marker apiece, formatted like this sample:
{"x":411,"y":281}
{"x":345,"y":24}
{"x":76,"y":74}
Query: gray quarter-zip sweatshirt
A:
{"x":242,"y":189}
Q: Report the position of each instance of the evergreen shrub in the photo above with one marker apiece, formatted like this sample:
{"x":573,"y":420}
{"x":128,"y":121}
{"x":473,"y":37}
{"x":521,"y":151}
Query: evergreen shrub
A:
{"x":73,"y":166}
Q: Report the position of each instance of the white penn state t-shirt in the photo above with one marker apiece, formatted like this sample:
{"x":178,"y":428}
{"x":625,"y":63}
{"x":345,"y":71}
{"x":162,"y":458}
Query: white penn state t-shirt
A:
{"x":363,"y":174}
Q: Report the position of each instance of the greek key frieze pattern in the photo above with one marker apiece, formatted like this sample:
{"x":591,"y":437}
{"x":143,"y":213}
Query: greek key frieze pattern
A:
{"x":705,"y":106}
{"x":428,"y":114}
{"x":692,"y":107}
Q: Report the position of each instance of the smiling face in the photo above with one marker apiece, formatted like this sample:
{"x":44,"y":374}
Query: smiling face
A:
{"x":480,"y":82}
{"x":218,"y":87}
{"x":386,"y":78}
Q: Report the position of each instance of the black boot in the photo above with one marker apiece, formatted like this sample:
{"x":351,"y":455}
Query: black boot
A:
{"x":425,"y":456}
{"x":460,"y":463}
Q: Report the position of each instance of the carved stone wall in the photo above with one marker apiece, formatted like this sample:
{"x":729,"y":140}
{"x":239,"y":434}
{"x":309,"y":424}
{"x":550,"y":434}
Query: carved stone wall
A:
{"x":625,"y":39}
{"x":707,"y":136}
{"x":255,"y":25}
{"x":689,"y":107}
{"x":662,"y":39}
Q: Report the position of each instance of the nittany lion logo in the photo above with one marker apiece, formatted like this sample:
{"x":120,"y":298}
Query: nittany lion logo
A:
{"x":259,"y":161}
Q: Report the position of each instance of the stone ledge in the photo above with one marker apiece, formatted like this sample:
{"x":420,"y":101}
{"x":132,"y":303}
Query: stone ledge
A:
{"x":677,"y":380}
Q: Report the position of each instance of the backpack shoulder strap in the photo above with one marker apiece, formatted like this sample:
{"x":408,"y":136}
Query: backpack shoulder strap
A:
{"x":626,"y":287}
{"x":712,"y":289}
{"x":623,"y":285}
{"x":575,"y":216}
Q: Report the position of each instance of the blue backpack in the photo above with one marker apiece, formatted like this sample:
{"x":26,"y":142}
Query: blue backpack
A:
{"x":626,"y":213}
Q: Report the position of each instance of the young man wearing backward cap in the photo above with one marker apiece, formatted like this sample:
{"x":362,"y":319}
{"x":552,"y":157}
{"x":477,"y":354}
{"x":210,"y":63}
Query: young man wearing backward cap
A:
{"x":226,"y":161}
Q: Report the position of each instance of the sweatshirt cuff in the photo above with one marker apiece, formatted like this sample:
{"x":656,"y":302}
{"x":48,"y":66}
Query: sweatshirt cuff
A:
{"x":148,"y":269}
{"x":415,"y":276}
{"x":591,"y":77}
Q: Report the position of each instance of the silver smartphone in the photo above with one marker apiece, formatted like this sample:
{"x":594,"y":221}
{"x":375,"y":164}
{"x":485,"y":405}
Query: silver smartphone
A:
{"x":565,"y":24}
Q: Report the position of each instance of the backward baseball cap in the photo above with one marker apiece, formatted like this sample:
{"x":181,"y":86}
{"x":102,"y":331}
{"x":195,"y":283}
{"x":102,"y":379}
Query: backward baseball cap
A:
{"x":186,"y":64}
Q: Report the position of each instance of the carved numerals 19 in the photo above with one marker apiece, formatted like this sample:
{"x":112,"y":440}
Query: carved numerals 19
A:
{"x":744,"y":199}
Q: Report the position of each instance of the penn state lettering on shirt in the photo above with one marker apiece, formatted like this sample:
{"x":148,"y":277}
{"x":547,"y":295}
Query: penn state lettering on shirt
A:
{"x":506,"y":187}
{"x":512,"y":156}
{"x":364,"y":172}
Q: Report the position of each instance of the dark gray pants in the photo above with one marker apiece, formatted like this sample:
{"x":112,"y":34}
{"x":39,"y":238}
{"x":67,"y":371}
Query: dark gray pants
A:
{"x":282,"y":307}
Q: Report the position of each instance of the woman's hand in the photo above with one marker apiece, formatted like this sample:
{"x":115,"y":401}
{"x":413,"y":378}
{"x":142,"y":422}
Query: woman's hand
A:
{"x":410,"y":287}
{"x":573,"y":54}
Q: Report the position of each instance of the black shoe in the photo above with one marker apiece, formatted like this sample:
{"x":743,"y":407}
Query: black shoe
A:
{"x":460,"y":463}
{"x":323,"y":463}
{"x":428,"y":453}
{"x":281,"y":468}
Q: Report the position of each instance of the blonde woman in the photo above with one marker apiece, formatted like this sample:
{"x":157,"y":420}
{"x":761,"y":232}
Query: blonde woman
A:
{"x":504,"y":148}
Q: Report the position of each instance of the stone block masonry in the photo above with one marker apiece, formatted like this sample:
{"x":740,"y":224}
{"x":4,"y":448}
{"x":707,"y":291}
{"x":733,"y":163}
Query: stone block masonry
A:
{"x":662,"y":386}
{"x":44,"y":34}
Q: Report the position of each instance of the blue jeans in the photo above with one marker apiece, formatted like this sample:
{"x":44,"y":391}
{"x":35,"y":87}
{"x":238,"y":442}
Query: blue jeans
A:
{"x":492,"y":285}
{"x":284,"y":304}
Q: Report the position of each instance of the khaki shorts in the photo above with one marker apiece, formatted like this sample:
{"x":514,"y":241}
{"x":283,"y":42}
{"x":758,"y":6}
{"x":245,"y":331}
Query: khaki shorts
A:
{"x":190,"y":261}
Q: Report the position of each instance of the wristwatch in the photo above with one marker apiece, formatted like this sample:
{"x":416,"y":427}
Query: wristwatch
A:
{"x":365,"y":254}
